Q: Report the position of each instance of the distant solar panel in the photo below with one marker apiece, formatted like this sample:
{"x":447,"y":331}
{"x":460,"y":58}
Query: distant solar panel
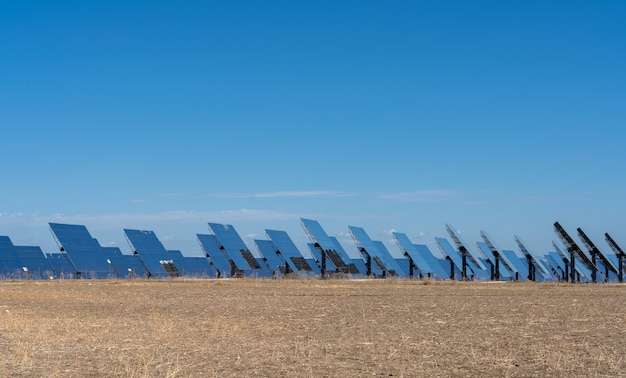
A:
{"x":439,"y":270}
{"x":62,"y":266}
{"x":128,"y":266}
{"x":149,"y":248}
{"x":575,"y":251}
{"x":274,"y":261}
{"x":409,"y":250}
{"x":519,"y":263}
{"x":451,"y":254}
{"x":381,"y":258}
{"x":10,"y":263}
{"x":220,"y":258}
{"x":230,"y":240}
{"x":317,"y":254}
{"x":402,"y":268}
{"x":555,"y":265}
{"x":83,"y":251}
{"x":197,"y":266}
{"x":35,"y":261}
{"x":331,"y":248}
{"x":286,"y":247}
{"x":454,"y":234}
{"x":497,"y":253}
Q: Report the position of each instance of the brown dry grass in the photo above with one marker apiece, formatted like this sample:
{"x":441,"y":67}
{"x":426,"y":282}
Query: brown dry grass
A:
{"x":310,"y":328}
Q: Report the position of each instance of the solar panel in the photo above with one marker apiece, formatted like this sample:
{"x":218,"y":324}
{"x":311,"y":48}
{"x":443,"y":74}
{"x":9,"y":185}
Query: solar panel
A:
{"x":127,"y":266}
{"x":575,"y":250}
{"x":230,"y":240}
{"x":317,"y":254}
{"x":83,"y":251}
{"x":179,"y":260}
{"x":439,"y":270}
{"x":408,"y":249}
{"x":355,"y":265}
{"x":10,"y":263}
{"x":382,"y":259}
{"x":332,"y":249}
{"x":220,"y":258}
{"x":555,"y":265}
{"x":461,"y":245}
{"x":149,"y":248}
{"x":33,"y":258}
{"x":286,"y":247}
{"x":402,"y":268}
{"x":496,"y":252}
{"x":582,"y":273}
{"x":450,"y":253}
{"x":62,"y":266}
{"x":539,"y":267}
{"x":198,"y":266}
{"x":274,"y":261}
{"x":519,"y":262}
{"x":557,"y":261}
{"x":597,"y":254}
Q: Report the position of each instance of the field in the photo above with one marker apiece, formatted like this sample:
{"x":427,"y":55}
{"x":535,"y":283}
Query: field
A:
{"x":331,"y":328}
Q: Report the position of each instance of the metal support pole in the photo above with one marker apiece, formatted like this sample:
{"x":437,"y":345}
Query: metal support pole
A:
{"x":464,"y":263}
{"x":573,"y":267}
{"x":497,"y":275}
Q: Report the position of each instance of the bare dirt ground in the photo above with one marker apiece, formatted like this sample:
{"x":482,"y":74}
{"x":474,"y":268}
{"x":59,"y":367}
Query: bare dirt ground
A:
{"x":293,"y":328}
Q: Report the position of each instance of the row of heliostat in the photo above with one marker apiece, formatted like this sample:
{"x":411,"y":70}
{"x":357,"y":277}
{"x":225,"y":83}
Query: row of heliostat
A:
{"x":226,"y":255}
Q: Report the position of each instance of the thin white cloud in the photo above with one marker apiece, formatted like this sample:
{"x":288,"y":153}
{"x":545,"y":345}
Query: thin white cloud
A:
{"x":424,"y":196}
{"x":285,"y":194}
{"x":167,"y":217}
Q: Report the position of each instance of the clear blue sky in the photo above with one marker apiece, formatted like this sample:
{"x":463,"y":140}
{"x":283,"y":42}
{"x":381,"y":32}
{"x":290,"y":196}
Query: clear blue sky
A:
{"x":502,"y":116}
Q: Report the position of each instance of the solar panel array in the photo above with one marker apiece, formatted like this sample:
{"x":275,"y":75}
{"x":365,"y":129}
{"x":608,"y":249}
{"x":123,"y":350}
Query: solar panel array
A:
{"x":227,"y":255}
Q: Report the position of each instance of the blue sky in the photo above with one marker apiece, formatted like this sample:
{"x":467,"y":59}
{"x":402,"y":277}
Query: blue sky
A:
{"x":401,"y":115}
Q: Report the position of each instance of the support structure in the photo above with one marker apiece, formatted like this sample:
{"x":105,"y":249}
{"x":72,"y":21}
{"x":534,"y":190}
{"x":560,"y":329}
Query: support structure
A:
{"x":621,"y":256}
{"x":499,"y":257}
{"x":596,"y":254}
{"x":533,"y":263}
{"x":465,"y":254}
{"x":575,"y":251}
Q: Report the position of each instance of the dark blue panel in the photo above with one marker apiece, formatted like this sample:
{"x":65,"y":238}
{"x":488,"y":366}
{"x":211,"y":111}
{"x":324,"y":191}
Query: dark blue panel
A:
{"x":62,"y":266}
{"x":402,"y":272}
{"x":35,"y":261}
{"x":290,"y":253}
{"x":554,"y":266}
{"x":10,"y":263}
{"x":317,"y":254}
{"x":519,"y":262}
{"x":449,"y":251}
{"x":150,"y":250}
{"x":230,"y":240}
{"x":83,"y":251}
{"x":404,"y":263}
{"x":381,"y":259}
{"x":218,"y":256}
{"x":556,"y":261}
{"x":196,"y":266}
{"x":274,"y":261}
{"x":407,"y":248}
{"x":356,"y":266}
{"x":480,"y":274}
{"x":333,"y":249}
{"x":438,"y":270}
{"x":125,"y":266}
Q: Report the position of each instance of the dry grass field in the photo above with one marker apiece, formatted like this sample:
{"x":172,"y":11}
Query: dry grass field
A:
{"x":302,"y":328}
